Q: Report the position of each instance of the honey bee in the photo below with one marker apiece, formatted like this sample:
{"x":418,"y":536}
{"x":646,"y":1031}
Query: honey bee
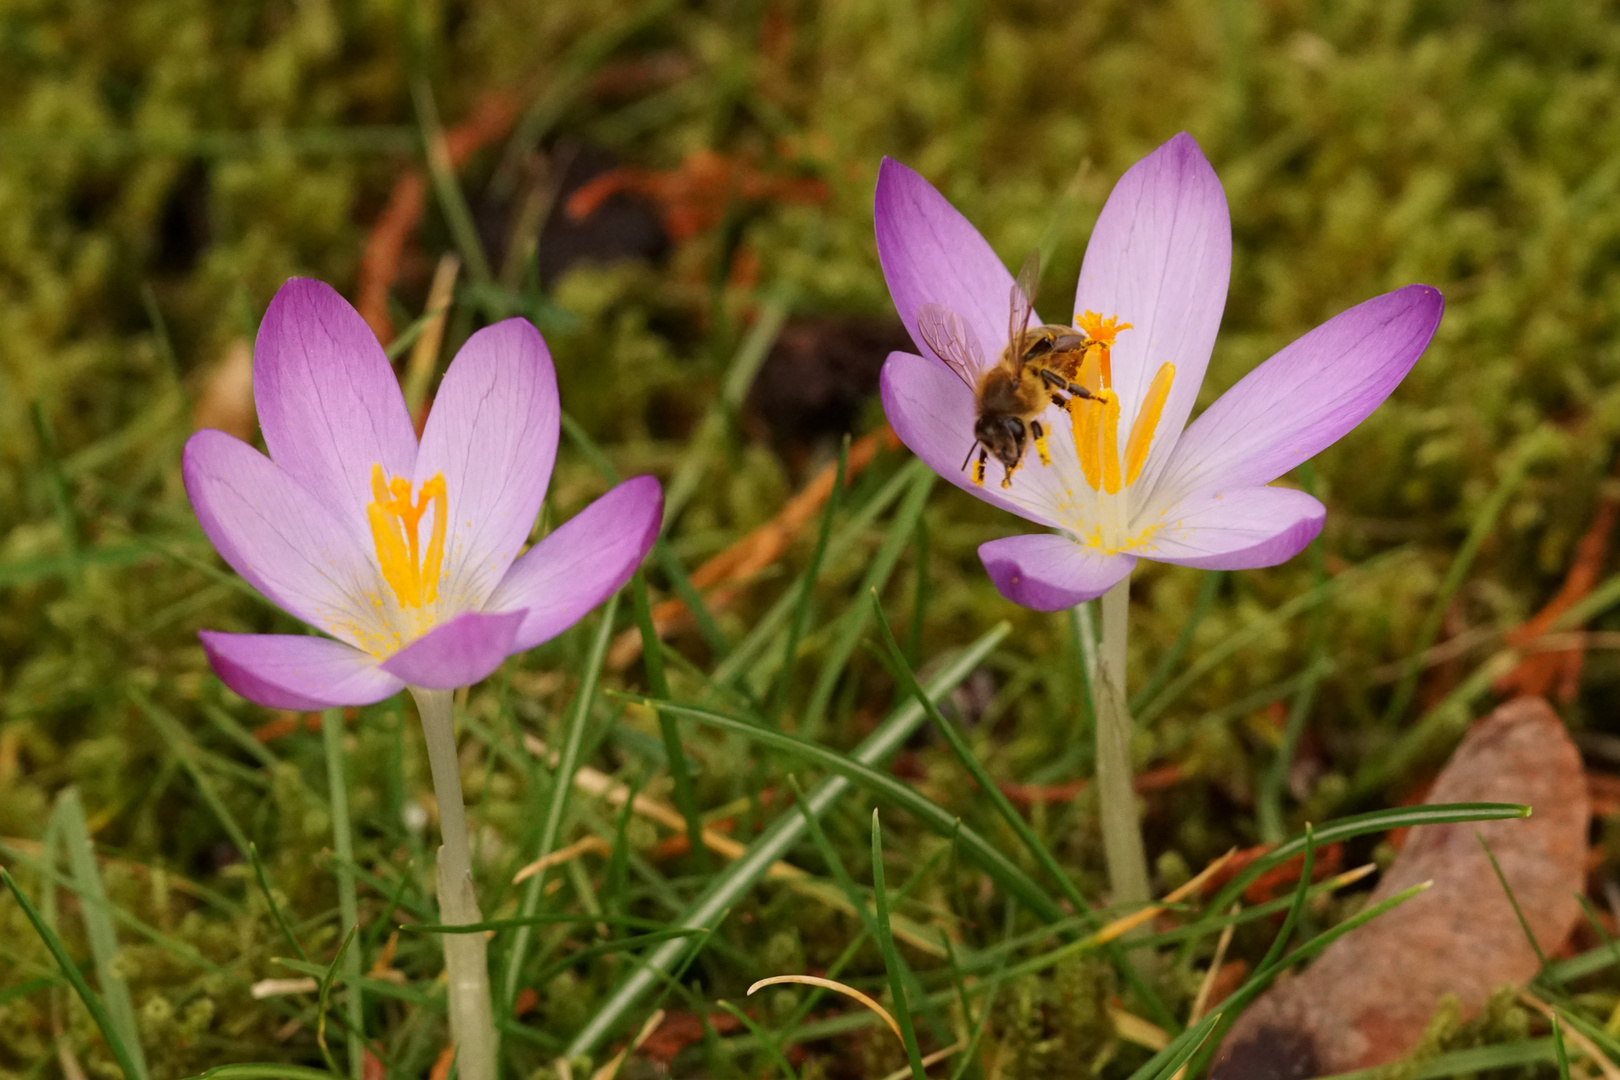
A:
{"x":1037,"y":369}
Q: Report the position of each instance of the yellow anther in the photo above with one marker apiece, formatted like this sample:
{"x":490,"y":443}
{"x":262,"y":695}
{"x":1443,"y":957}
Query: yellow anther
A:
{"x":394,"y":517}
{"x":1147,"y":422}
{"x":1083,"y":419}
{"x":1110,"y":444}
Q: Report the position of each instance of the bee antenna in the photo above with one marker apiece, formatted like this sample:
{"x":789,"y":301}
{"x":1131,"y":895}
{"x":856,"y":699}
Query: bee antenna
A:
{"x":969,"y":457}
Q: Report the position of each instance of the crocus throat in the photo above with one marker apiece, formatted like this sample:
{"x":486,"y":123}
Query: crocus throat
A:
{"x":412,"y":574}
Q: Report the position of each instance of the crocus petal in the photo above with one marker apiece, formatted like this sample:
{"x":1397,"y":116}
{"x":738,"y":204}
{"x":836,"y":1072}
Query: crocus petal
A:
{"x":1306,"y":397}
{"x":1242,"y":529}
{"x":1159,"y":258}
{"x":279,"y":536}
{"x":1049,"y":572}
{"x":457,"y":653}
{"x":560,"y":579}
{"x":493,"y":435}
{"x":328,"y":402}
{"x":933,"y":414}
{"x":287,"y":671}
{"x":931,"y":255}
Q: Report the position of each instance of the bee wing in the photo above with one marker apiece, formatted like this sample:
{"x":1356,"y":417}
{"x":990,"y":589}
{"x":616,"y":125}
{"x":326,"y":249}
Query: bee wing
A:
{"x":1023,"y":302}
{"x":953,"y":341}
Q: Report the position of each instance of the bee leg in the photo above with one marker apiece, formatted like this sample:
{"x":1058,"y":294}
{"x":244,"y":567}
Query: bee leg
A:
{"x":978,"y":467}
{"x":1060,"y":401}
{"x":1006,"y":481}
{"x":1040,"y":441}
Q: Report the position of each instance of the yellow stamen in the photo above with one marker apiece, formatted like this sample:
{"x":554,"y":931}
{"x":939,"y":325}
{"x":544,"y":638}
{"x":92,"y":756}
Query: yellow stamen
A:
{"x":1110,"y":444}
{"x":1147,"y":422}
{"x":1084,"y":415}
{"x":412,"y":574}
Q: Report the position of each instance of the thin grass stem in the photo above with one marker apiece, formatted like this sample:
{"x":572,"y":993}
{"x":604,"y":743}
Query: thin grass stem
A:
{"x":891,"y":955}
{"x":337,"y":784}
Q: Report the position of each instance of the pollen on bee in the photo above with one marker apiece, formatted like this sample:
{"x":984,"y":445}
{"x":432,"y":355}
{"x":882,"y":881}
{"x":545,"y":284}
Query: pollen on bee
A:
{"x":1041,"y":447}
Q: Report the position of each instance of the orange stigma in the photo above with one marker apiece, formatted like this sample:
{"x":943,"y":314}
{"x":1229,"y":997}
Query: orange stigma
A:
{"x":1099,"y":330}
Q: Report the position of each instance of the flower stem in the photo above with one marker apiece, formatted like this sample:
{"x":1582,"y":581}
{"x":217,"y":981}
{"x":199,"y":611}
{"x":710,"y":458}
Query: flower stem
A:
{"x":1116,"y":799}
{"x":466,"y":965}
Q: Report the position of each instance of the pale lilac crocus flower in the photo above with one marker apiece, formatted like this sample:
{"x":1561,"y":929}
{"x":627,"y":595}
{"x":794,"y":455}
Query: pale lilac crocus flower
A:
{"x":406,"y":554}
{"x":1125,"y":481}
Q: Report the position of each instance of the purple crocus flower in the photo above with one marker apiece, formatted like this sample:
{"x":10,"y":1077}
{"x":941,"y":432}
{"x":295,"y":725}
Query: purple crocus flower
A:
{"x":407,"y":554}
{"x":1125,"y":481}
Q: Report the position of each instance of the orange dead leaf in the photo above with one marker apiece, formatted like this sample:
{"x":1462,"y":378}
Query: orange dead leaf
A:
{"x":693,"y":198}
{"x":1542,"y":673}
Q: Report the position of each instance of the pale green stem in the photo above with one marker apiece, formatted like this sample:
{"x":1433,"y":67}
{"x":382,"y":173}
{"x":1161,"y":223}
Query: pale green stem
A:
{"x":337,"y":785}
{"x":1116,"y":799}
{"x":466,"y":965}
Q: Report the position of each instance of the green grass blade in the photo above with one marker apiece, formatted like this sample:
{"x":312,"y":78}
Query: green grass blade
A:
{"x":762,"y":1038}
{"x":1268,"y":800}
{"x":1483,"y":525}
{"x":1518,"y":912}
{"x":328,"y":977}
{"x":891,"y":955}
{"x":747,"y":656}
{"x":1280,"y":942}
{"x":981,"y":776}
{"x":1443,"y":723}
{"x":652,"y":655}
{"x":98,"y":925}
{"x":740,"y":372}
{"x":337,"y":784}
{"x":1208,"y":587}
{"x":269,"y":898}
{"x":852,"y":625}
{"x":726,"y":887}
{"x":807,"y":586}
{"x":446,"y":187}
{"x":266,"y":1071}
{"x":898,"y":793}
{"x":1361,"y":825}
{"x":185,"y":751}
{"x":1181,"y":1050}
{"x":1257,"y":628}
{"x":562,"y":782}
{"x":109,"y":1030}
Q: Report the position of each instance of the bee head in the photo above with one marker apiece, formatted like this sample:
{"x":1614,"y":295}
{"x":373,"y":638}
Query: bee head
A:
{"x":1004,"y":437}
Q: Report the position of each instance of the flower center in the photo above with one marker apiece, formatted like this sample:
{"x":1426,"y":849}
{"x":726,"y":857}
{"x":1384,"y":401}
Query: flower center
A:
{"x":1096,"y":427}
{"x":412,"y":574}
